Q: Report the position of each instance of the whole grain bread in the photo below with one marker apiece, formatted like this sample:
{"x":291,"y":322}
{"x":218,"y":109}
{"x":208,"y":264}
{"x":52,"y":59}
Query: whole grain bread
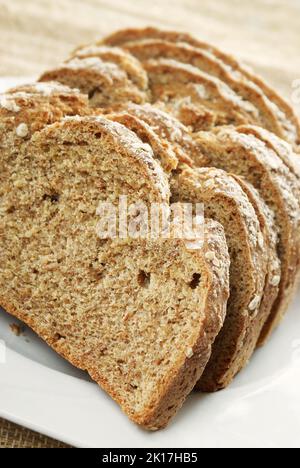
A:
{"x":173,"y":331}
{"x":225,"y":201}
{"x":29,"y":108}
{"x":243,"y":214}
{"x":282,"y":149}
{"x":276,"y":165}
{"x":246,"y":156}
{"x":105,"y":82}
{"x":170,"y":130}
{"x":139,"y":315}
{"x":126,"y":61}
{"x":290,"y":123}
{"x":270,"y":235}
{"x":203,"y":60}
{"x":279,"y":194}
{"x":184,"y":90}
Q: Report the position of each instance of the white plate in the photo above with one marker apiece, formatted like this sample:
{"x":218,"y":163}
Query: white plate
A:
{"x":261,"y":409}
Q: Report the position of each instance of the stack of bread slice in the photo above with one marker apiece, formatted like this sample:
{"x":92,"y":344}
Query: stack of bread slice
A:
{"x":162,"y":118}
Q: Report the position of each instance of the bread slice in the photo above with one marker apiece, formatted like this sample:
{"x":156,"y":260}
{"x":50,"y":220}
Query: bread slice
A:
{"x":277,"y":186}
{"x":178,"y":86}
{"x":243,"y":214}
{"x":246,"y":156}
{"x":203,"y":60}
{"x":139,"y":315}
{"x":282,"y":149}
{"x":104,"y":82}
{"x":126,"y":61}
{"x":29,"y":108}
{"x":285,"y":114}
{"x":162,"y":150}
{"x":225,"y":201}
{"x":170,"y":130}
{"x":196,"y":98}
{"x":270,"y":241}
{"x":37,"y":105}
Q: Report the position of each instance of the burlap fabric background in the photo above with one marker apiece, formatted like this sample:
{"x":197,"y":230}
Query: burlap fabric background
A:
{"x":36,"y":34}
{"x":13,"y":436}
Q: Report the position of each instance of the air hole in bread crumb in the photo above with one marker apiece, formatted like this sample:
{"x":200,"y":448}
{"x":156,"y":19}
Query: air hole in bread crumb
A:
{"x":134,"y":387}
{"x":53,"y":198}
{"x":195,"y":281}
{"x":11,"y":210}
{"x":173,"y":200}
{"x":93,"y":92}
{"x":98,"y":135}
{"x":176,"y":171}
{"x":58,"y":337}
{"x":144,"y":279}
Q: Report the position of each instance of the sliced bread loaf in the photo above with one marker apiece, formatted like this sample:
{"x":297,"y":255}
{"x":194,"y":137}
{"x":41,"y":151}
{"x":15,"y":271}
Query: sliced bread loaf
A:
{"x":285,"y":114}
{"x":243,"y":216}
{"x":29,"y":108}
{"x":246,"y":156}
{"x":37,"y":105}
{"x":106,"y":83}
{"x":170,"y":130}
{"x":178,"y":86}
{"x":282,"y":149}
{"x":126,"y":61}
{"x":277,"y":185}
{"x":203,"y":60}
{"x":139,"y":315}
{"x":225,"y":201}
{"x":270,"y":236}
{"x":162,"y":149}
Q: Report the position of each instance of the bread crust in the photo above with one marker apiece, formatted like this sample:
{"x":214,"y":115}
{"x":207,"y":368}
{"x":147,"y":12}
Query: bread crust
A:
{"x":192,"y":86}
{"x":205,"y":61}
{"x":236,"y":342}
{"x":270,"y":235}
{"x":176,"y":85}
{"x":120,"y":57}
{"x":104,"y":82}
{"x":285,"y":113}
{"x":265,"y":260}
{"x":278,"y":187}
{"x":187,"y":370}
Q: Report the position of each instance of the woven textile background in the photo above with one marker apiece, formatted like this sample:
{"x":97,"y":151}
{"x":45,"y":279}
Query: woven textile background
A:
{"x":36,"y":34}
{"x":13,"y":436}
